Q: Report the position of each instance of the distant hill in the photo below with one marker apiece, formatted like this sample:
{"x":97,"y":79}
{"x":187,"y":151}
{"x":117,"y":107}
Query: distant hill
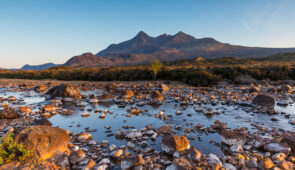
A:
{"x":167,"y":48}
{"x":38,"y":67}
{"x":279,"y":57}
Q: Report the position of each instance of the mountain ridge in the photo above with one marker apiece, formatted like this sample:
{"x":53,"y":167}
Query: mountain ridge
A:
{"x":141,"y":48}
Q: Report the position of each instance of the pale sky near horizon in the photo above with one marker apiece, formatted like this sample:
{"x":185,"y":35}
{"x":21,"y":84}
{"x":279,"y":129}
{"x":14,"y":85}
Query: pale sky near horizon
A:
{"x":41,"y":31}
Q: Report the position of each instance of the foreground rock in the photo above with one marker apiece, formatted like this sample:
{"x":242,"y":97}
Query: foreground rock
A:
{"x":131,"y":161}
{"x":173,"y":143}
{"x":44,"y":141}
{"x":64,"y":90}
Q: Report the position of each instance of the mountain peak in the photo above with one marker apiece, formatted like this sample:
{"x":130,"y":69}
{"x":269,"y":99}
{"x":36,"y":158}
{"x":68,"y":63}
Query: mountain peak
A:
{"x":142,"y":34}
{"x":182,"y":37}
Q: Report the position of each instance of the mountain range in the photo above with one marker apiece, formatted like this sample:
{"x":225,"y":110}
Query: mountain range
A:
{"x":38,"y":67}
{"x":142,"y":48}
{"x":181,"y":46}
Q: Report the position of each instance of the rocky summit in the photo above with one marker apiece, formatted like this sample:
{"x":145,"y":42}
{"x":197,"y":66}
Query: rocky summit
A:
{"x":52,"y":124}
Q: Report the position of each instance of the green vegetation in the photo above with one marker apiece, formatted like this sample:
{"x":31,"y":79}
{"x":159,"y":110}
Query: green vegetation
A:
{"x":11,"y":151}
{"x":199,"y":71}
{"x":156,"y":66}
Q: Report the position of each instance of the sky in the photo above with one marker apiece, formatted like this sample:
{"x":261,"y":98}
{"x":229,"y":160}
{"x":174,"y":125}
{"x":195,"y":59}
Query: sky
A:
{"x":41,"y":31}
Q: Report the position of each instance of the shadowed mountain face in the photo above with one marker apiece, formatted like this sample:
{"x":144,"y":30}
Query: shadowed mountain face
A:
{"x":141,"y":48}
{"x":38,"y":67}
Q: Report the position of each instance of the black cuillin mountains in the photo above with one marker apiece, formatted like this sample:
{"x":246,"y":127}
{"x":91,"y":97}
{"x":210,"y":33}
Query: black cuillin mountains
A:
{"x":141,"y":48}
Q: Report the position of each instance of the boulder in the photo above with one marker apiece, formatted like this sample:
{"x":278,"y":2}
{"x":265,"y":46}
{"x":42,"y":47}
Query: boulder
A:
{"x":231,"y":137}
{"x":64,"y":90}
{"x":193,"y":154}
{"x":49,"y":108}
{"x":173,"y":143}
{"x":277,"y":147}
{"x":264,"y":100}
{"x":43,"y":141}
{"x":9,"y":113}
{"x":131,"y":161}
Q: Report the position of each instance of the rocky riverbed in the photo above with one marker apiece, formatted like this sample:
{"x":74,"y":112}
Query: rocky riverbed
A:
{"x":149,"y":125}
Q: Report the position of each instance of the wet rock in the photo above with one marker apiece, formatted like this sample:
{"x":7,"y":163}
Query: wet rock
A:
{"x":286,"y":165}
{"x":90,"y":165}
{"x":264,"y":100}
{"x":228,"y":166}
{"x":134,"y":134}
{"x":156,"y":95}
{"x":278,"y":157}
{"x":231,"y":137}
{"x":127,"y":94}
{"x":131,"y":161}
{"x":164,"y":129}
{"x":9,"y":113}
{"x":120,"y":134}
{"x":64,"y":90}
{"x":290,"y":139}
{"x":105,"y":98}
{"x":193,"y":154}
{"x":76,"y":156}
{"x":44,"y":141}
{"x":83,"y":137}
{"x":254,"y":89}
{"x":236,"y":148}
{"x":214,"y":161}
{"x":286,"y":88}
{"x":164,"y":88}
{"x":40,"y":88}
{"x":117,"y":153}
{"x":49,"y":108}
{"x":25,"y":109}
{"x":266,"y":163}
{"x":277,"y":147}
{"x":173,"y":143}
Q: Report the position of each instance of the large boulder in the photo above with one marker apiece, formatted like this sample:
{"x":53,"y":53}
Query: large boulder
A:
{"x":64,"y":90}
{"x":9,"y":113}
{"x":264,"y":100}
{"x":173,"y":143}
{"x":43,"y":141}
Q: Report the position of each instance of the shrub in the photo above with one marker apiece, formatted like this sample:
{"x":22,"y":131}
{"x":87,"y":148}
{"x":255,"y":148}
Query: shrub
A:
{"x":11,"y":151}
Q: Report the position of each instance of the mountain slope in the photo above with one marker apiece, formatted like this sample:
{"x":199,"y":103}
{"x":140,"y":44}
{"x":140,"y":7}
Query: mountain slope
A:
{"x":141,"y":48}
{"x":38,"y":67}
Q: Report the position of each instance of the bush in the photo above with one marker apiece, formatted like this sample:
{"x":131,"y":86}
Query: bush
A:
{"x":11,"y":151}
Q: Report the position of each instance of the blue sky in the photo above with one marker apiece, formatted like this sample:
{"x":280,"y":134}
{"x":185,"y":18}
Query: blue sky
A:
{"x":40,"y":31}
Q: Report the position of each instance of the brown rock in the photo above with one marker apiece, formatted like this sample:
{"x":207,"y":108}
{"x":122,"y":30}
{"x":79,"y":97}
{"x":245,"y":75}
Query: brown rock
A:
{"x":25,"y":109}
{"x":286,"y":165}
{"x":49,"y":108}
{"x":264,"y":100}
{"x":43,"y":141}
{"x":173,"y":143}
{"x":131,"y":161}
{"x":266,"y":163}
{"x":8,"y":113}
{"x":290,"y":139}
{"x":64,"y":90}
{"x":156,"y":95}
